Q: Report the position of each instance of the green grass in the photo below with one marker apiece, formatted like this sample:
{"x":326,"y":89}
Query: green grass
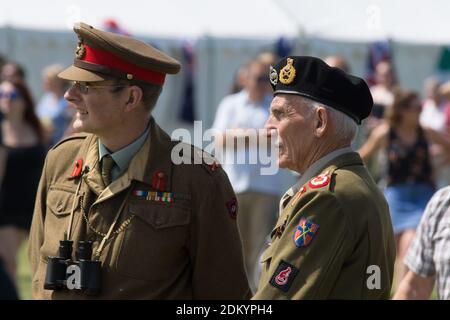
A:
{"x":23,"y":273}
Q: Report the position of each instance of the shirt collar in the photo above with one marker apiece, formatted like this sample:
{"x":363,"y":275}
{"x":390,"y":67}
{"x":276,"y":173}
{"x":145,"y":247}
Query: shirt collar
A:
{"x":123,"y":156}
{"x":316,"y":167}
{"x":265,"y":102}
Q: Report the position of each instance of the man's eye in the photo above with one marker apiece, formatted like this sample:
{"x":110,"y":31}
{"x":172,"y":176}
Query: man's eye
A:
{"x":276,"y":113}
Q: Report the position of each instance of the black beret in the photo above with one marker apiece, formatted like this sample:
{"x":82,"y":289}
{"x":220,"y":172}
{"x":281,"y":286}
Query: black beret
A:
{"x":314,"y":79}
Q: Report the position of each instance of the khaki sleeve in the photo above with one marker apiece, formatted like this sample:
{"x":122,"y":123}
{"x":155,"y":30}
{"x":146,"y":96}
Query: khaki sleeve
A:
{"x":36,"y":237}
{"x":215,"y":245}
{"x":302,"y":268}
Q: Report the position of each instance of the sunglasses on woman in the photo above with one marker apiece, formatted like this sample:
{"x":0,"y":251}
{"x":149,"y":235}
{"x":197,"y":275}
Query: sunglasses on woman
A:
{"x":11,"y":95}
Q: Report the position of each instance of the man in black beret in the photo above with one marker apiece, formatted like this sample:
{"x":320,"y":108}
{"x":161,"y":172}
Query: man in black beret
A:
{"x":333,"y":238}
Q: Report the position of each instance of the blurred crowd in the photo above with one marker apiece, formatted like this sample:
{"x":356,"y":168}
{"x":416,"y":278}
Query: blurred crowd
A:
{"x":28,"y":130}
{"x":405,"y":143}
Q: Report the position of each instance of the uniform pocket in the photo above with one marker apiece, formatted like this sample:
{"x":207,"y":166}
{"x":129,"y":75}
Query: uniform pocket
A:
{"x":160,"y":216}
{"x":59,"y":204}
{"x":154,"y":246}
{"x":60,"y":201}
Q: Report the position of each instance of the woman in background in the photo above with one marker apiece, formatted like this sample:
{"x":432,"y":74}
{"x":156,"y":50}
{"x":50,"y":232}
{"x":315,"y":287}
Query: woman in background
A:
{"x":23,"y":141}
{"x":408,"y":173}
{"x":53,"y":109}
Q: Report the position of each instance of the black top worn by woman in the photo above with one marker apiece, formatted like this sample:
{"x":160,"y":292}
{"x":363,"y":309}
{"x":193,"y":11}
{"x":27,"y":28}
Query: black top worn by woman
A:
{"x":408,"y":164}
{"x":18,"y":190}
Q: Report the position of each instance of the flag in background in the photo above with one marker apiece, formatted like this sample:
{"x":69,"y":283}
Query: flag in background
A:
{"x":187,"y":110}
{"x":378,"y":51}
{"x":283,"y":47}
{"x":111,"y":25}
{"x":443,"y":65}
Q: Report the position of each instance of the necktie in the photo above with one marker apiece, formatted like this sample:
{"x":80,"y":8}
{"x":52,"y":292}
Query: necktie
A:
{"x":107,"y":164}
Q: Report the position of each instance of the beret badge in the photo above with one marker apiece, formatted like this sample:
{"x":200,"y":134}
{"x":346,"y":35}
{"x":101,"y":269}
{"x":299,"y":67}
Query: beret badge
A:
{"x":273,"y":76}
{"x":287,"y":74}
{"x":80,"y":51}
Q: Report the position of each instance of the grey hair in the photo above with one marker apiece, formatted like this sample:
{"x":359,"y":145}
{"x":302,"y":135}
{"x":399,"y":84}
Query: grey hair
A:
{"x":345,"y":128}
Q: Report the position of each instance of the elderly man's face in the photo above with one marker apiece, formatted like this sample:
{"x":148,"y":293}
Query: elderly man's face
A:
{"x":289,"y":116}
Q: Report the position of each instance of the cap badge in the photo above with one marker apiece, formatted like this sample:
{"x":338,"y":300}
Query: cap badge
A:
{"x":287,"y":74}
{"x":80,"y":51}
{"x":273,"y":76}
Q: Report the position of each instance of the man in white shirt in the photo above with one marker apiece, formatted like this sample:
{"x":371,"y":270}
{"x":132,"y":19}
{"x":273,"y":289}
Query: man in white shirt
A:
{"x":237,"y":117}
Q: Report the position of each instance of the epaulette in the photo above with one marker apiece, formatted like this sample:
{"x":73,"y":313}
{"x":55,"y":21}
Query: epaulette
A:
{"x":209,"y":162}
{"x":72,"y":137}
{"x":197,"y":156}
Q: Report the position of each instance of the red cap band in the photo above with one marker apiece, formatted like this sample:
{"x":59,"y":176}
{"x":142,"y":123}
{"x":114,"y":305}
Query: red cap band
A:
{"x":104,"y":58}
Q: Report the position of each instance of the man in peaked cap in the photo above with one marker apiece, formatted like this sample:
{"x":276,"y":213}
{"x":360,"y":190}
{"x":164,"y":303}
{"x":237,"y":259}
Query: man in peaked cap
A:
{"x":112,"y":196}
{"x":333,"y":238}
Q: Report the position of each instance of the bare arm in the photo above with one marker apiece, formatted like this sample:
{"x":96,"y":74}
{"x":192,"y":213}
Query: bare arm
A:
{"x":414,"y":287}
{"x":438,"y":138}
{"x":376,"y":140}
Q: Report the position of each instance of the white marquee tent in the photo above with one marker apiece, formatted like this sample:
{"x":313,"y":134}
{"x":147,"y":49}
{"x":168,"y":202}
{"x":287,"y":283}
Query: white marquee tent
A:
{"x":416,"y":21}
{"x":228,"y":33}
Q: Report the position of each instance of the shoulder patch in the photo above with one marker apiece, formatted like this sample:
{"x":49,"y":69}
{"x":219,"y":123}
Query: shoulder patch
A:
{"x":284,"y":276}
{"x":69,"y":138}
{"x":319,"y":181}
{"x":305,"y":232}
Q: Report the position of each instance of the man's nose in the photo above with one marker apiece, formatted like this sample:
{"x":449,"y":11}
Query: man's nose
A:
{"x":269,"y":124}
{"x":72,"y":94}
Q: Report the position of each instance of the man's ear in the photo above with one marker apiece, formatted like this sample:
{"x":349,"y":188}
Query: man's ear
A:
{"x":321,"y":122}
{"x":134,"y":98}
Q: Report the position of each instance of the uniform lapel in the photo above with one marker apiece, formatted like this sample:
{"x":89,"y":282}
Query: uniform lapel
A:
{"x":290,"y":199}
{"x":93,"y":176}
{"x":153,"y":157}
{"x":159,"y":159}
{"x":135,"y":171}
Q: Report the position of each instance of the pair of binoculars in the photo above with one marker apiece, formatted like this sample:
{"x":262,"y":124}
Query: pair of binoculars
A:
{"x":59,"y":269}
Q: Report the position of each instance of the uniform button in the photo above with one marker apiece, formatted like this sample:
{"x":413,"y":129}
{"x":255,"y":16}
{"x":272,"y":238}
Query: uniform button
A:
{"x":59,"y":208}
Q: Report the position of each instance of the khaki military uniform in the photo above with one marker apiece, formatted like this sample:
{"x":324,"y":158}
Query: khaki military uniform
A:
{"x":182,"y":246}
{"x":332,"y":240}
